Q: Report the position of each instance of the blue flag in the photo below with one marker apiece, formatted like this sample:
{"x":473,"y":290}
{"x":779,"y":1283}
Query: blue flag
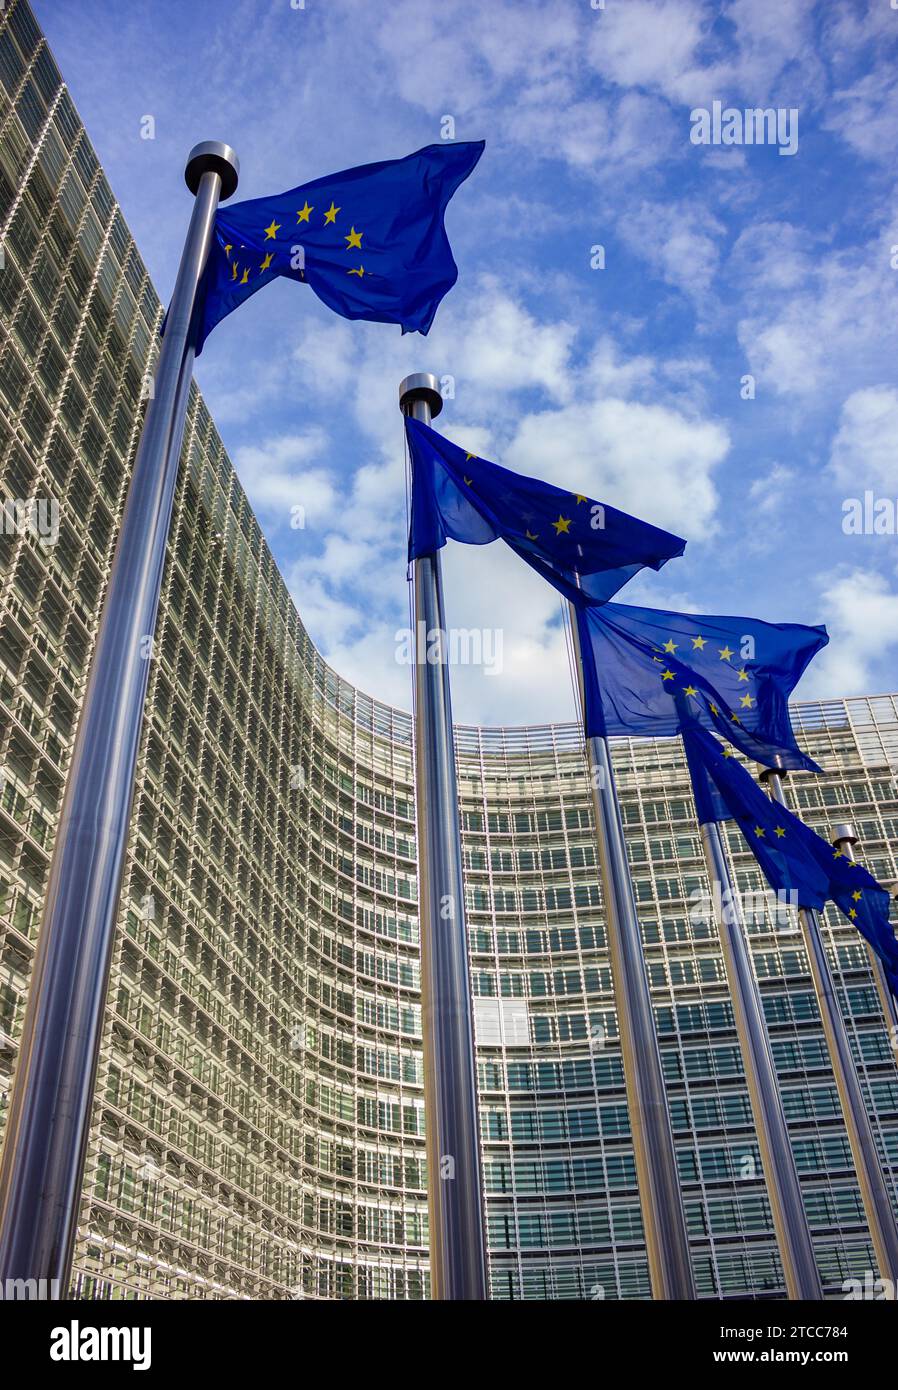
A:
{"x":370,"y":241}
{"x":647,"y":671}
{"x":793,"y":858}
{"x":565,"y":536}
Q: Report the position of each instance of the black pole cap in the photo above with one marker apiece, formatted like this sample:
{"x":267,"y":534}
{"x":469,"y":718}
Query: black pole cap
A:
{"x":220,"y":158}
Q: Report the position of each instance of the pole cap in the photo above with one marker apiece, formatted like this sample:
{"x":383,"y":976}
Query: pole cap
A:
{"x":767,"y":772}
{"x":421,"y":386}
{"x":220,"y":158}
{"x":842,"y":832}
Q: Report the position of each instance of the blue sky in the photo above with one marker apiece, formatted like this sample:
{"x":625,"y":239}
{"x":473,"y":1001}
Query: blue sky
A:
{"x":625,"y":383}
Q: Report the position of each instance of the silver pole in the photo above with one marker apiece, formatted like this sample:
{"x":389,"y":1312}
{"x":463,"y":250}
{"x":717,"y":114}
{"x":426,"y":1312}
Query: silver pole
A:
{"x":875,"y":1194}
{"x":783,"y":1186}
{"x":845,"y":839}
{"x":49,"y":1119}
{"x":454,"y":1185}
{"x":660,"y":1198}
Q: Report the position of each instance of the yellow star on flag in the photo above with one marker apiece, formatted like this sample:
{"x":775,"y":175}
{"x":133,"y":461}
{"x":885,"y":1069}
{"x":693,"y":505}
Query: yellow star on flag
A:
{"x":578,"y":496}
{"x":670,"y":645}
{"x":746,"y":701}
{"x":725,"y":653}
{"x":266,"y":263}
{"x":779,"y":832}
{"x":690,"y":690}
{"x":667,"y":675}
{"x":857,"y":895}
{"x":359,"y":271}
{"x":759,"y":832}
{"x":562,"y":524}
{"x":303,"y":214}
{"x":354,"y":239}
{"x":699,"y":643}
{"x":331,"y":214}
{"x":272,"y":230}
{"x":743,"y":674}
{"x":244,"y":279}
{"x":530,"y":536}
{"x":852,"y":913}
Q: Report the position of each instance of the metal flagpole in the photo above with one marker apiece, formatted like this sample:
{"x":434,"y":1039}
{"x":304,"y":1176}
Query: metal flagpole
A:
{"x":49,"y":1119}
{"x":455,"y":1190}
{"x":783,"y":1187}
{"x":845,"y":839}
{"x":875,"y":1194}
{"x":663,"y":1217}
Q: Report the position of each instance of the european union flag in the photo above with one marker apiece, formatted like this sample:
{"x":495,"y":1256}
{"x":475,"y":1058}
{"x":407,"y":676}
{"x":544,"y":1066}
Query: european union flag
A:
{"x":792,"y":857}
{"x":565,"y":536}
{"x":370,"y":241}
{"x":647,"y":671}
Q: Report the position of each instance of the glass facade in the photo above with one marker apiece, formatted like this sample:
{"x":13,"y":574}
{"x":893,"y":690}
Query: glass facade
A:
{"x":258,"y":1121}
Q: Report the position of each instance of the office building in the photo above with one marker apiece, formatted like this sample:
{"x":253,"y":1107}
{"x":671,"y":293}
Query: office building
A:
{"x":258,"y":1127}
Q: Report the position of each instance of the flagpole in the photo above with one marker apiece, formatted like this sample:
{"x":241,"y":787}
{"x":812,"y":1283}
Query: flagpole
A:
{"x":454,"y":1184}
{"x":49,"y":1119}
{"x":845,"y":839}
{"x":660,"y":1197}
{"x":783,"y":1186}
{"x":873,"y":1189}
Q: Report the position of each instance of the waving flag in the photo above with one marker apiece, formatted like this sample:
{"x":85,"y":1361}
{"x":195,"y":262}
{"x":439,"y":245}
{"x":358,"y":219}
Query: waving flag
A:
{"x":565,"y":536}
{"x":647,"y":671}
{"x":792,"y":857}
{"x":370,"y":241}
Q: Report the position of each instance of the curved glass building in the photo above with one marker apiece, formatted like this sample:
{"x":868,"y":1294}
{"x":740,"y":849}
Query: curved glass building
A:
{"x":258,"y":1127}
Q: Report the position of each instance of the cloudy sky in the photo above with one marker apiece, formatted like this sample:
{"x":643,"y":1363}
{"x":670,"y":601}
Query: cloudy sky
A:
{"x":628,"y":383}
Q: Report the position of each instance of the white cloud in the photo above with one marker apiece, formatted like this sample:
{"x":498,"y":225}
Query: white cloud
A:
{"x":838,"y":327}
{"x":488,"y":592}
{"x":324,"y":357}
{"x":862,"y":620}
{"x":863,"y":107}
{"x":865,"y":114}
{"x":489,"y":586}
{"x":648,"y":459}
{"x":678,"y":48}
{"x":327,"y":617}
{"x":650,"y":43}
{"x":626,"y":430}
{"x":608,"y":138}
{"x":774,"y":58}
{"x":680,"y":240}
{"x":459,"y":55}
{"x":281,"y":485}
{"x":767,"y":493}
{"x":865,"y":449}
{"x":508,"y":68}
{"x":770,"y":255}
{"x":848,"y":31}
{"x":495,"y":343}
{"x":369,"y":663}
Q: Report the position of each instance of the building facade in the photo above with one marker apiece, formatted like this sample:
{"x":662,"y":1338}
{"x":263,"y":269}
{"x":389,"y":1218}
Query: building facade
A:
{"x":258,"y":1127}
